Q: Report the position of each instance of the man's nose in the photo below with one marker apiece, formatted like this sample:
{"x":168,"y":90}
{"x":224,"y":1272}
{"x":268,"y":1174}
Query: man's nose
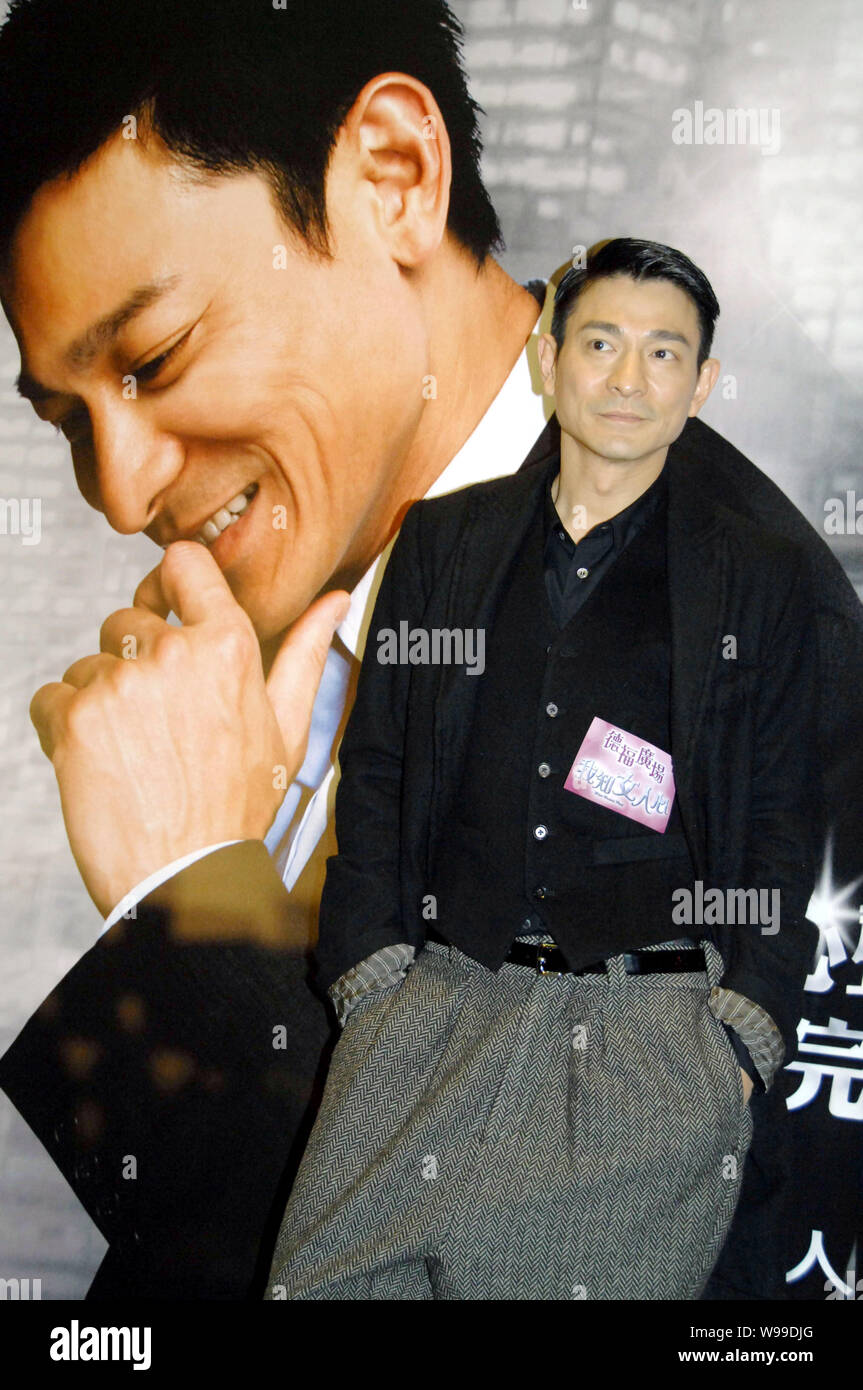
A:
{"x":627,"y":374}
{"x":134,"y":461}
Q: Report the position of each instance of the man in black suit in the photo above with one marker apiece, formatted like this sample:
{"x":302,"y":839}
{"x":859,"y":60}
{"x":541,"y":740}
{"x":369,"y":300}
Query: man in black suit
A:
{"x":644,"y":728}
{"x":258,"y":368}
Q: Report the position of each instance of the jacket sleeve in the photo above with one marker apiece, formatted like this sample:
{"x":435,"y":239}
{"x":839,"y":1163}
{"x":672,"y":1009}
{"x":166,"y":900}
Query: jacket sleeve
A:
{"x":361,"y":901}
{"x":752,"y":1033}
{"x":387,"y":967}
{"x":771,"y":958}
{"x":173,"y":1074}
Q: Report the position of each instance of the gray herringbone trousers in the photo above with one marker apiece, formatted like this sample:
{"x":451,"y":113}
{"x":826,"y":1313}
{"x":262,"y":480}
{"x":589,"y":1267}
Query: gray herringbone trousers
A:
{"x":508,"y":1135}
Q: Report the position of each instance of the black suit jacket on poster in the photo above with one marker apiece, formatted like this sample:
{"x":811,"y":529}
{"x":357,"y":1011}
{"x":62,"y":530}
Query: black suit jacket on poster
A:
{"x":159,"y":1042}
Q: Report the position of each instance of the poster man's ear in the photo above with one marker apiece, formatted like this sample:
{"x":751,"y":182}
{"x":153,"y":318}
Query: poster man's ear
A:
{"x":393,"y":155}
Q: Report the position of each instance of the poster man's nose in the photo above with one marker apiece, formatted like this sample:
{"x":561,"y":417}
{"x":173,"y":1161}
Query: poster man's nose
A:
{"x":134,"y":463}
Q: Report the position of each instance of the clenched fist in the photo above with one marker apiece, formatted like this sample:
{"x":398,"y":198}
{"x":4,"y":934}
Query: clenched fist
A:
{"x":171,"y":739}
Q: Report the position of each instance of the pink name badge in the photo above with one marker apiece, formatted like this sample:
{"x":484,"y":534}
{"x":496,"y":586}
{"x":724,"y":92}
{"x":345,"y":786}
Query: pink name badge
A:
{"x":624,"y":773}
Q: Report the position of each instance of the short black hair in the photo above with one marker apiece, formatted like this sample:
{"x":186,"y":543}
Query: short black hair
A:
{"x":640,"y":260}
{"x":229,"y":87}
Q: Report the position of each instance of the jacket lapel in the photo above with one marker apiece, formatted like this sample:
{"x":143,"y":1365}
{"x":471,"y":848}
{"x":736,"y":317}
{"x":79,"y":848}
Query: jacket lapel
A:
{"x":496,"y":523}
{"x":497,"y":520}
{"x":696,"y":593}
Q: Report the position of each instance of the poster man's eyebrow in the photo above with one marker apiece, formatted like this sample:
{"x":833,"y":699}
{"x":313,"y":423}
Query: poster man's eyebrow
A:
{"x":104,"y":330}
{"x":99,"y":335}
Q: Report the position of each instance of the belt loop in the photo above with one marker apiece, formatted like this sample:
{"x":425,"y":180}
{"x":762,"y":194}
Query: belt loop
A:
{"x":616,"y":971}
{"x":713,"y":962}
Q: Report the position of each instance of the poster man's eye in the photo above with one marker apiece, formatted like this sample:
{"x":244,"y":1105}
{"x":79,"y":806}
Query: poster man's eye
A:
{"x":151,"y":369}
{"x":74,"y":426}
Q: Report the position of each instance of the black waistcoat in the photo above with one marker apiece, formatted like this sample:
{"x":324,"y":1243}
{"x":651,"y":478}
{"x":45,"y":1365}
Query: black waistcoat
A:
{"x":521,"y":852}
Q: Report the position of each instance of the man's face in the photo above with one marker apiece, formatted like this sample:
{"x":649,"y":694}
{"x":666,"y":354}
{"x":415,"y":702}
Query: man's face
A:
{"x":627,"y":378}
{"x":232,"y":369}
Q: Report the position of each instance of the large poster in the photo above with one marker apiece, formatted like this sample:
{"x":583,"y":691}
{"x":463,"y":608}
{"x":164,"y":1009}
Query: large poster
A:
{"x":730,"y":131}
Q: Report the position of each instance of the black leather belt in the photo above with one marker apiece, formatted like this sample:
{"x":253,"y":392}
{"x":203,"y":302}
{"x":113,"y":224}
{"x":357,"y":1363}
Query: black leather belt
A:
{"x":548,"y":959}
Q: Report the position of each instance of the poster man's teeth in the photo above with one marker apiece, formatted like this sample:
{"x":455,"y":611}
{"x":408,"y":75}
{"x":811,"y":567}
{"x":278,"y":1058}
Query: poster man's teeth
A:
{"x":225,"y":517}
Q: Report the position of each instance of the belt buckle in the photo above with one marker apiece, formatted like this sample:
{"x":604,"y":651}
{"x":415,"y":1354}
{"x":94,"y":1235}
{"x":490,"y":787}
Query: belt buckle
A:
{"x":541,"y":952}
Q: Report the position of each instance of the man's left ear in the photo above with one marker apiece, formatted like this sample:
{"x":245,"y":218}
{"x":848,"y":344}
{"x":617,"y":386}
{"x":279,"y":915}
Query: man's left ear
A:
{"x":547,"y":352}
{"x":706,"y":382}
{"x":393,"y":155}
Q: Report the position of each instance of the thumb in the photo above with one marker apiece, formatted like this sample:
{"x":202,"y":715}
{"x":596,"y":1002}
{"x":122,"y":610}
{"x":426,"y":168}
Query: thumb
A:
{"x":150,"y":594}
{"x":296,"y":672}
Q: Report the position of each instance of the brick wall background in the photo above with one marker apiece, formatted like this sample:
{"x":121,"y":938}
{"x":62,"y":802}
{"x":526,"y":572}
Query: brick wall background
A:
{"x":579,"y":100}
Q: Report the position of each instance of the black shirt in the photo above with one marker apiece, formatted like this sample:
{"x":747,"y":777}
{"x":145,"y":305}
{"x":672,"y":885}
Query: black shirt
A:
{"x":572,"y":571}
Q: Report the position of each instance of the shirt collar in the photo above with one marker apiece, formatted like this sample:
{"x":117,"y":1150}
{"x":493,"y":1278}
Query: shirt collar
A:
{"x":623,"y":525}
{"x":498,"y":446}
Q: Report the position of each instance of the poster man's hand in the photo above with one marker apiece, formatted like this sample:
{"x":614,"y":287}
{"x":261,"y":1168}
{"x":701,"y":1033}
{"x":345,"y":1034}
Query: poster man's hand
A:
{"x":170,"y":739}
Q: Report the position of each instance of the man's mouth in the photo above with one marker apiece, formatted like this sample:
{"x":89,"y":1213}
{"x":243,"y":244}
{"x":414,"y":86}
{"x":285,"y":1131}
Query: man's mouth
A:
{"x":226,"y":516}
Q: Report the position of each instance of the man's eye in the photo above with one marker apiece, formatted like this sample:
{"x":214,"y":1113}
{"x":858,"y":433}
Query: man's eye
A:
{"x":598,"y":343}
{"x":151,"y":369}
{"x":75,"y":426}
{"x":667,"y":351}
